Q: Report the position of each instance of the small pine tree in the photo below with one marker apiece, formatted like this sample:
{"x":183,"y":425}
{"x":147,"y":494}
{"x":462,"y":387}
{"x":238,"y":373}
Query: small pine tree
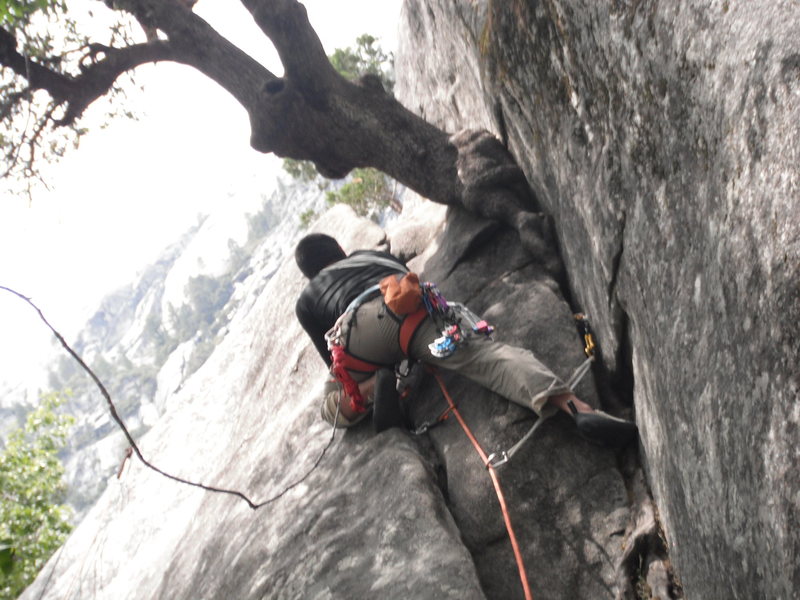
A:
{"x":366,"y":188}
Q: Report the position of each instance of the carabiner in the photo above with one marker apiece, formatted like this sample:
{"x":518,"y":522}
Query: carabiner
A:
{"x":495,"y":459}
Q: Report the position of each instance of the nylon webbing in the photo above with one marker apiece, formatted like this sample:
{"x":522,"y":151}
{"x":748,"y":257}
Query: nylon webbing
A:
{"x":500,"y":458}
{"x":409,"y":327}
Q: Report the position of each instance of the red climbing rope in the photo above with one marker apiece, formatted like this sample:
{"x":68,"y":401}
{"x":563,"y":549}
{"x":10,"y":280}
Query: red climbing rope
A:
{"x":500,"y":497}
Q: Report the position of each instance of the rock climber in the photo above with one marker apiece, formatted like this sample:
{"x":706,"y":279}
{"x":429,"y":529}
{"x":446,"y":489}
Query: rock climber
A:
{"x":361,"y":341}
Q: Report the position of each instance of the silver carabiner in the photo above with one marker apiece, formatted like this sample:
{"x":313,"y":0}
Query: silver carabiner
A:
{"x":496,"y":459}
{"x":422,"y":428}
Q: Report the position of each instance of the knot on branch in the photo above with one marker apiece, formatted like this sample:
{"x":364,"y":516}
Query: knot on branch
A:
{"x":274,"y":86}
{"x":287,"y":118}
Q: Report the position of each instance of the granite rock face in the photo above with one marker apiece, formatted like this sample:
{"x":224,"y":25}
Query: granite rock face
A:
{"x":663,"y":139}
{"x":394,"y":515}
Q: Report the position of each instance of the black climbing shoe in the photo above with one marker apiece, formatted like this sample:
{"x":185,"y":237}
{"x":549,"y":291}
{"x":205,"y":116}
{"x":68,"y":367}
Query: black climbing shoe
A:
{"x":386,"y":412}
{"x":601,"y":428}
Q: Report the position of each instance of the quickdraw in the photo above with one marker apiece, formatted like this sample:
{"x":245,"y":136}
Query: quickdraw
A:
{"x":586,"y":332}
{"x":500,"y":458}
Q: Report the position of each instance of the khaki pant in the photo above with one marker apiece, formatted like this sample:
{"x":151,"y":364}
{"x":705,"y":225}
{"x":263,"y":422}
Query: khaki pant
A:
{"x":512,"y":372}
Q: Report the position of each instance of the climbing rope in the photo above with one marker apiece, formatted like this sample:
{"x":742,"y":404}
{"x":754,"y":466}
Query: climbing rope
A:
{"x":494,"y":460}
{"x":495,"y":481}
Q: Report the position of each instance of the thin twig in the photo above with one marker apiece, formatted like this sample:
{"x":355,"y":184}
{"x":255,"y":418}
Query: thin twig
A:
{"x":132,"y":442}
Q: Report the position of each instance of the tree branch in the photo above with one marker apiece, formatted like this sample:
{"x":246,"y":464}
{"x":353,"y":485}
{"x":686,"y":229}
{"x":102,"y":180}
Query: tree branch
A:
{"x":97,"y":79}
{"x":78,"y":92}
{"x":31,"y":142}
{"x":59,"y":86}
{"x":313,"y":113}
{"x":285,"y":22}
{"x":135,"y":448}
{"x":199,"y":45}
{"x":7,"y":105}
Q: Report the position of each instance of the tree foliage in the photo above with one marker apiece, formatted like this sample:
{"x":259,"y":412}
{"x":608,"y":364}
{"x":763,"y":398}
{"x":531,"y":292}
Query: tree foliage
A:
{"x":367,"y":58}
{"x":301,"y":170}
{"x":367,"y":189}
{"x":33,"y":521}
{"x":17,"y":12}
{"x":41,"y":44}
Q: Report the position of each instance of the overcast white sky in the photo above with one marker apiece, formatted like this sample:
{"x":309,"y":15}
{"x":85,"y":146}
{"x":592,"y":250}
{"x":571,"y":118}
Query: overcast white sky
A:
{"x":132,"y":188}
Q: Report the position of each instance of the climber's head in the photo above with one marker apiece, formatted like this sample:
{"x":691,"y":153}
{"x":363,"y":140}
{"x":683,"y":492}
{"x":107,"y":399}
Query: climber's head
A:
{"x":315,"y":252}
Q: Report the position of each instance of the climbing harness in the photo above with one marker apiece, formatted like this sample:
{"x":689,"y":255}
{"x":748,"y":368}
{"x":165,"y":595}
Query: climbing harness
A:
{"x":502,"y":457}
{"x":456,"y":322}
{"x":343,"y":362}
{"x":495,"y":481}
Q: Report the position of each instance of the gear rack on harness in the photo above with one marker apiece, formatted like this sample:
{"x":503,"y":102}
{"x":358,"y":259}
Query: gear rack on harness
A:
{"x":455,"y":321}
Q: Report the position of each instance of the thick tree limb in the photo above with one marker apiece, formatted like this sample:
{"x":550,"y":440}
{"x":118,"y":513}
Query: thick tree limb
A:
{"x":97,"y":79}
{"x":199,"y":45}
{"x":285,"y":22}
{"x":313,"y":113}
{"x":59,"y":86}
{"x":192,"y":41}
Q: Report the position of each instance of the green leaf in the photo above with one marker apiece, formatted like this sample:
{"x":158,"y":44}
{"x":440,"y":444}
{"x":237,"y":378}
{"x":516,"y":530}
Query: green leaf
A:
{"x":6,"y":558}
{"x":32,"y":521}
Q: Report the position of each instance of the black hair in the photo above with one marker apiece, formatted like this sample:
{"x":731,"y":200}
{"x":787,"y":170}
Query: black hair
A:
{"x":315,"y":252}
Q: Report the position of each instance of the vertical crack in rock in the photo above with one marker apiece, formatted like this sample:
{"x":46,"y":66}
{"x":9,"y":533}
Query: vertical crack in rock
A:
{"x":616,"y":263}
{"x":620,"y":321}
{"x":645,"y":570}
{"x":622,"y":381}
{"x":500,"y":120}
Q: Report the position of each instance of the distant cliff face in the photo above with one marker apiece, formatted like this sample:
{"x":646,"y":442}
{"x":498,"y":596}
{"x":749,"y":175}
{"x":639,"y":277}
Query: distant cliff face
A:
{"x":147,"y":338}
{"x":663,"y":137}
